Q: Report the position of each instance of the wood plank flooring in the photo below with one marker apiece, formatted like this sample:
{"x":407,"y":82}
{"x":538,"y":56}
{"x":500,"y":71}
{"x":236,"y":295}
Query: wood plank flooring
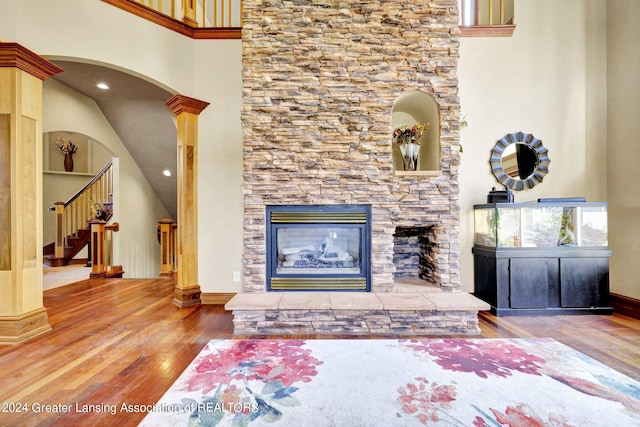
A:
{"x":122,"y":341}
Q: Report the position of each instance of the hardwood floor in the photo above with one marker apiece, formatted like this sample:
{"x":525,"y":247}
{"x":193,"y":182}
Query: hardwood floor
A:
{"x":122,"y":341}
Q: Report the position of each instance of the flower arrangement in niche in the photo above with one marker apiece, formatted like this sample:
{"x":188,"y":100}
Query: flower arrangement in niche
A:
{"x":408,"y":139}
{"x":67,"y":148}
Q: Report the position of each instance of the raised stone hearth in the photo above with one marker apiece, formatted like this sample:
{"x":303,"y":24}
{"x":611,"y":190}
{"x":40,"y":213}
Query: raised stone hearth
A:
{"x":408,"y":312}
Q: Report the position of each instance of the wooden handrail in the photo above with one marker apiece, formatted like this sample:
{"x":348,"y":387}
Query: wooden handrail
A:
{"x":90,"y":183}
{"x":74,"y":214}
{"x":192,"y":20}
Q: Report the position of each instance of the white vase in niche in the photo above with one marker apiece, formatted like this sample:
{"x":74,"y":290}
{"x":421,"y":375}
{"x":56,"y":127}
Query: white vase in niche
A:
{"x":410,"y":156}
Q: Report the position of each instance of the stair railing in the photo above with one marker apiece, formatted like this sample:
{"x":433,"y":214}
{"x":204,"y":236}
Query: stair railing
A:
{"x":198,"y":19}
{"x":168,"y":238}
{"x":218,"y":13}
{"x":486,"y":18}
{"x":486,"y":12}
{"x":75,"y":214}
{"x":102,"y":250}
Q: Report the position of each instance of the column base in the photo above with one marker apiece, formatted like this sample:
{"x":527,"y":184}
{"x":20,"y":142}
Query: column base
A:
{"x":186,"y":297}
{"x":23,"y":327}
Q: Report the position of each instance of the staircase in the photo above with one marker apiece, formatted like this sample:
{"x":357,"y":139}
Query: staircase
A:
{"x":74,"y":245}
{"x":72,"y":217}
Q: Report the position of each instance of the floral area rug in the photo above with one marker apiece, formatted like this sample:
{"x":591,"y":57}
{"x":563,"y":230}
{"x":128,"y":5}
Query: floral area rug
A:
{"x":407,"y":382}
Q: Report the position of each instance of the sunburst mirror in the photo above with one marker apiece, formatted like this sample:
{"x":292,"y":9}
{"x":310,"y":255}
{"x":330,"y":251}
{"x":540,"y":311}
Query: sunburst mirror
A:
{"x":519,"y":161}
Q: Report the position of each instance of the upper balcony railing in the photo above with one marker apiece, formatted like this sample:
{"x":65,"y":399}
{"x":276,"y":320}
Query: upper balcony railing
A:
{"x":486,"y":18}
{"x":211,"y":19}
{"x":200,"y":19}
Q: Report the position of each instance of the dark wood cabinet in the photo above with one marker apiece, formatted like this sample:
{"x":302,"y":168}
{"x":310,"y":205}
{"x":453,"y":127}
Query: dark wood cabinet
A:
{"x":523,"y":281}
{"x":549,"y":257}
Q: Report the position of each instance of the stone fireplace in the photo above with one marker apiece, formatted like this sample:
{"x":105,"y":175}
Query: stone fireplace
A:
{"x":320,"y":83}
{"x":321,"y":87}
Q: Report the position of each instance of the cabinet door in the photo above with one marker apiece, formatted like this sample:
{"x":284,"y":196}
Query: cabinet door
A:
{"x":529,"y":282}
{"x":581,"y":280}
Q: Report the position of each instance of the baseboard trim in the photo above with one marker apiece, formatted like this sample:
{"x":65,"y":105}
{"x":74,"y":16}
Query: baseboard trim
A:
{"x":216,"y":298}
{"x":23,"y":327}
{"x":625,"y":305}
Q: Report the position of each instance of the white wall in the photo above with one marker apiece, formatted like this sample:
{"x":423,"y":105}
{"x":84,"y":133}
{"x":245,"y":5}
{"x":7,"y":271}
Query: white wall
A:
{"x":548,"y":80}
{"x":218,"y":79}
{"x":623,"y":59}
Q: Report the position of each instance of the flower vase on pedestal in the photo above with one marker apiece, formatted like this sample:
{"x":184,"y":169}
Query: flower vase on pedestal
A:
{"x":410,"y":156}
{"x":68,"y":162}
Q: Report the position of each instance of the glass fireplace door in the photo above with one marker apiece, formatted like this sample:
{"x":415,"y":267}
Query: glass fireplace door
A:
{"x":327,"y":252}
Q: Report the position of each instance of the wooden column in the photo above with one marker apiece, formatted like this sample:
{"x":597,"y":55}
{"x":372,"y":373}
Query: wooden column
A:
{"x":22,"y":314}
{"x":187,"y":291}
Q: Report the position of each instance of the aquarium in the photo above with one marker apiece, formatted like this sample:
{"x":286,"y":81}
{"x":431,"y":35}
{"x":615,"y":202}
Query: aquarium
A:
{"x":541,"y":224}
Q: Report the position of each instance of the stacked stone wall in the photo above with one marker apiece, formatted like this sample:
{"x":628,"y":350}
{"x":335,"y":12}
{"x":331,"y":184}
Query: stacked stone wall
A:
{"x":319,"y":82}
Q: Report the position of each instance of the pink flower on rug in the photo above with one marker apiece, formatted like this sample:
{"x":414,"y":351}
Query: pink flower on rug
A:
{"x":271,"y":360}
{"x":480,"y":356}
{"x":426,"y":402}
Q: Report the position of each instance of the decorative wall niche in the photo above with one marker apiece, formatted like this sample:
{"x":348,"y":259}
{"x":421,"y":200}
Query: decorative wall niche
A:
{"x":89,"y":158}
{"x":409,"y":109}
{"x":54,"y":158}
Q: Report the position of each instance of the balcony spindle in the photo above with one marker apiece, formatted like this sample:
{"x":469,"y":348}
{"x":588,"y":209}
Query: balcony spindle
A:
{"x":479,"y":18}
{"x":189,"y":11}
{"x":196,"y":14}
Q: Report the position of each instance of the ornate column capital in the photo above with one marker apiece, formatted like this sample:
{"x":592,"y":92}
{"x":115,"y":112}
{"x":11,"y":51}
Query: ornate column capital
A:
{"x":184,"y":104}
{"x":13,"y":55}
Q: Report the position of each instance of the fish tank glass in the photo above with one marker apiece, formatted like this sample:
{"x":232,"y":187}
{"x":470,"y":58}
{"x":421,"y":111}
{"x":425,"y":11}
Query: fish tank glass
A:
{"x":541,"y":225}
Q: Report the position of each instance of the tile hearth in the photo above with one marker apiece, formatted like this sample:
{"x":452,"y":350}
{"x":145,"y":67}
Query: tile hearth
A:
{"x":410,"y":310}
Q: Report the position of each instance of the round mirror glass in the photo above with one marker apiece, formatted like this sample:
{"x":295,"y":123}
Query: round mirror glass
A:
{"x":519,"y":161}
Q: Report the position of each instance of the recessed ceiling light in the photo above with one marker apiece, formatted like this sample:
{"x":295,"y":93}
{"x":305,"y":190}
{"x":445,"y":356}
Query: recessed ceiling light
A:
{"x":166,"y":172}
{"x":103,"y":86}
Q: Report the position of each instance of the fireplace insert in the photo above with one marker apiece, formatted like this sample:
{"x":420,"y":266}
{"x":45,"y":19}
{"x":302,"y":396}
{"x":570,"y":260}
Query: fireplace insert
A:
{"x":318,"y":247}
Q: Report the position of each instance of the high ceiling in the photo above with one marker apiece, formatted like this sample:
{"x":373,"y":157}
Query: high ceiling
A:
{"x":136,"y":111}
